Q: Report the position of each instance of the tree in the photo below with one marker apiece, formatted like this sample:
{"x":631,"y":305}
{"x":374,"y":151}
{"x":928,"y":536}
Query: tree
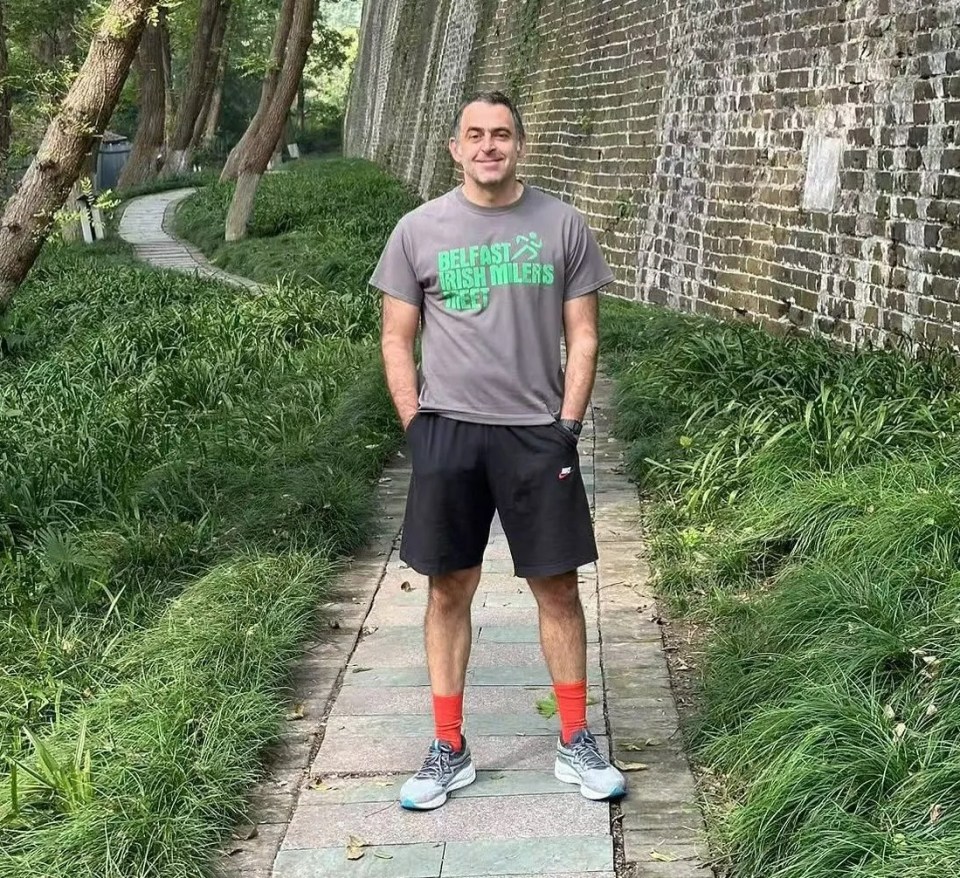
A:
{"x":253,"y":162}
{"x":213,"y":77}
{"x":148,"y":144}
{"x":277,"y":57}
{"x":82,"y":117}
{"x":6,"y":130}
{"x":199,"y":78}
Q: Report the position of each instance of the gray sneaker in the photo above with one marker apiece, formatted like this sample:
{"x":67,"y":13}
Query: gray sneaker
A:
{"x":444,"y":770}
{"x":581,"y":762}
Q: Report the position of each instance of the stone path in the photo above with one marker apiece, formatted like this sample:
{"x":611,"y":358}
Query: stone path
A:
{"x":363,"y":691}
{"x":146,"y":223}
{"x":360,"y":704}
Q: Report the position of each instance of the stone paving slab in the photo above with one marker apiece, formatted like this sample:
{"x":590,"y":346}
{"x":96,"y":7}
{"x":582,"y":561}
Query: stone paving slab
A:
{"x":383,"y":616}
{"x":330,"y":789}
{"x":530,"y":722}
{"x":345,"y":753}
{"x":379,"y":651}
{"x":545,"y":856}
{"x":464,"y":819}
{"x":360,"y":700}
{"x":393,"y":861}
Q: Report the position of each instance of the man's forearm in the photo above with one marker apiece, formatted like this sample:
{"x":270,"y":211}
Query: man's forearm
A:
{"x":581,"y":372}
{"x":401,"y":372}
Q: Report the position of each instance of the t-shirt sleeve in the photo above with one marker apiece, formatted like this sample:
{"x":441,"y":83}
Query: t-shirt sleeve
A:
{"x":395,"y":274}
{"x":586,"y":269}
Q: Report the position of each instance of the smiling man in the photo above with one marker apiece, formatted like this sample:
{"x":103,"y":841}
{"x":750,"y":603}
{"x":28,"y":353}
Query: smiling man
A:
{"x":495,"y":273}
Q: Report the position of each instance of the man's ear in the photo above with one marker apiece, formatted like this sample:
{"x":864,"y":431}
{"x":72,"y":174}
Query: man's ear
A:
{"x":454,"y":146}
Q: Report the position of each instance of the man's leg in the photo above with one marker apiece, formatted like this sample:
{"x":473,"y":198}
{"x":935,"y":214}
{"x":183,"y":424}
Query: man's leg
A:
{"x":446,"y":527}
{"x":563,"y":637}
{"x":448,"y":635}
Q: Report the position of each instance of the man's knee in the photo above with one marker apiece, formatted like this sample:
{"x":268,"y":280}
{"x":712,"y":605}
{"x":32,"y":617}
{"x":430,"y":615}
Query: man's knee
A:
{"x":453,"y":591}
{"x":560,"y":594}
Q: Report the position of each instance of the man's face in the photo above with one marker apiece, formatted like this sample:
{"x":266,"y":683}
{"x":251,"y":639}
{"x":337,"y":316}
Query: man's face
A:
{"x":487,"y":147}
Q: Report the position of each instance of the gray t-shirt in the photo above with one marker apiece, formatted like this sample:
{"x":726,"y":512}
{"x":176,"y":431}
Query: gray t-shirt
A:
{"x":491,"y":283}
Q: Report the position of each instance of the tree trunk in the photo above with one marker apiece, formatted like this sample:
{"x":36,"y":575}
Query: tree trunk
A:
{"x":83,"y":115}
{"x":169,"y":104}
{"x":302,"y":109}
{"x":141,"y":166}
{"x":6,"y":129}
{"x":254,"y":161}
{"x":277,"y":57}
{"x":212,"y":124}
{"x":192,"y":96}
{"x":212,"y":72}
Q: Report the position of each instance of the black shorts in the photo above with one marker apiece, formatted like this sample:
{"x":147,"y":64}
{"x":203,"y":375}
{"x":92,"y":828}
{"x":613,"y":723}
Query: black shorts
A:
{"x":464,"y":472}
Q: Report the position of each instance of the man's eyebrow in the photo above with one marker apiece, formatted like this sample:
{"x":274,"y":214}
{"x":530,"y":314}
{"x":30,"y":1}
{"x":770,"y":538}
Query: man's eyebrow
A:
{"x":498,"y":130}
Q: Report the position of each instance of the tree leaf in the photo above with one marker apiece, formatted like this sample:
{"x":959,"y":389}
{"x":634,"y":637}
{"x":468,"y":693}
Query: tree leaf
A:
{"x":355,"y":848}
{"x":630,"y":766}
{"x":662,"y":858}
{"x":547,"y":707}
{"x":405,"y":586}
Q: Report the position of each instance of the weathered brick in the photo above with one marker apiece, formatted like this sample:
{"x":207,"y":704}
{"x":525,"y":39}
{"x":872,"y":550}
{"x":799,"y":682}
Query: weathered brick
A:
{"x":684,"y":132}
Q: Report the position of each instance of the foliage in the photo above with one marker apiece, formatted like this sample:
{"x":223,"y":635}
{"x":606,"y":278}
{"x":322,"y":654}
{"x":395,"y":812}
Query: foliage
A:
{"x":804,"y":502}
{"x":322,"y":221}
{"x":189,"y":463}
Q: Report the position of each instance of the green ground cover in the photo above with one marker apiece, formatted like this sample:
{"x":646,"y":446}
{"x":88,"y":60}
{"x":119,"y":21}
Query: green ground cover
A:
{"x":805,"y":504}
{"x":181,"y":466}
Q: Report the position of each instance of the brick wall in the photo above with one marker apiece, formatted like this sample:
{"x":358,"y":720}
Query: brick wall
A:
{"x":795,"y":162}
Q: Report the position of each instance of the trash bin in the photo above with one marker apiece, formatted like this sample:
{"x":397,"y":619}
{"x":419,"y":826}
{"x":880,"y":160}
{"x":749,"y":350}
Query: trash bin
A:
{"x":113,"y":155}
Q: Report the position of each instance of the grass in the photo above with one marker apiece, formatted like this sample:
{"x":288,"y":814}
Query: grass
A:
{"x":320,"y":222}
{"x":805,"y":502}
{"x":184,"y":454}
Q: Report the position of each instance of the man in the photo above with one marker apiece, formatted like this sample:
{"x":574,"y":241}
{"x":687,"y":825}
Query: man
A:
{"x":495,"y":271}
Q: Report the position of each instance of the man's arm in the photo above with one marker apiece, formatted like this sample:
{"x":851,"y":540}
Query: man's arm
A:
{"x":398,"y":334}
{"x":580,"y":326}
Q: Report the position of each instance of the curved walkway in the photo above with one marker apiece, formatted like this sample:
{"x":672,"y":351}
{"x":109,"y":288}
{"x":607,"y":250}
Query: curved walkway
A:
{"x":147,"y":224}
{"x":360,"y":704}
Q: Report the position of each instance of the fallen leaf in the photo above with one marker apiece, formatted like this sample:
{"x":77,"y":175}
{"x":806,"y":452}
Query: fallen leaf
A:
{"x":936,"y":812}
{"x":245,"y":831}
{"x":889,"y":712}
{"x":932,"y":710}
{"x":233,"y":851}
{"x":355,"y":848}
{"x":636,"y":748}
{"x":296,"y":712}
{"x":334,"y":623}
{"x":405,"y":586}
{"x":630,"y":766}
{"x":383,"y":783}
{"x":361,"y":670}
{"x":899,"y":730}
{"x":662,"y":858}
{"x":382,"y":855}
{"x":547,"y":707}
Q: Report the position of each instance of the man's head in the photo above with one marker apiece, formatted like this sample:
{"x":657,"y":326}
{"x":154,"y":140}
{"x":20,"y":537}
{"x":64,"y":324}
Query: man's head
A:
{"x":487,"y":140}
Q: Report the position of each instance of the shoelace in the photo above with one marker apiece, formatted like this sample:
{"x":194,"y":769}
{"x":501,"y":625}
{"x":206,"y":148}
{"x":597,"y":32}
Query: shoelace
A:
{"x":436,"y":765}
{"x":586,"y":752}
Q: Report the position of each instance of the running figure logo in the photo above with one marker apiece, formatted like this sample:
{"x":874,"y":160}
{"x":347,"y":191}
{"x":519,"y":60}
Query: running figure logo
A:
{"x":532,"y":245}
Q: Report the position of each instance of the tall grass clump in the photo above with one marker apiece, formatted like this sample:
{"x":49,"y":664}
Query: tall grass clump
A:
{"x":321,"y":222}
{"x":805,"y":503}
{"x":182,"y":465}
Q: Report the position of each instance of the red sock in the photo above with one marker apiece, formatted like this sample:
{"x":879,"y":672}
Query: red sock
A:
{"x":572,"y":707}
{"x":448,"y":719}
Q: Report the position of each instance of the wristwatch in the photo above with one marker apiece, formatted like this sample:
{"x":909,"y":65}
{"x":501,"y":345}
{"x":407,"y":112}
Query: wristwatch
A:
{"x":570,"y":424}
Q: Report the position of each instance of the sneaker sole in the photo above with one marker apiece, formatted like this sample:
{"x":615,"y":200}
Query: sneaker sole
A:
{"x":464,"y":778}
{"x":565,"y":774}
